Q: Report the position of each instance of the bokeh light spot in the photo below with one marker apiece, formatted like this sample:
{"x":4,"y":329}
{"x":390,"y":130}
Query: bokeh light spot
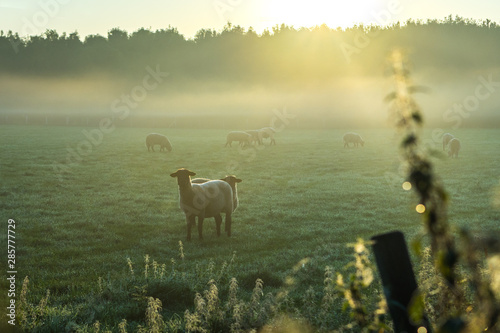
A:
{"x":406,"y":186}
{"x":420,"y":208}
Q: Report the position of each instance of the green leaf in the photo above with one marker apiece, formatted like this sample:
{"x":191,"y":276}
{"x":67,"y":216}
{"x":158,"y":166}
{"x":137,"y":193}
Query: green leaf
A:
{"x":411,"y":139}
{"x":416,"y":308}
{"x":416,"y":246}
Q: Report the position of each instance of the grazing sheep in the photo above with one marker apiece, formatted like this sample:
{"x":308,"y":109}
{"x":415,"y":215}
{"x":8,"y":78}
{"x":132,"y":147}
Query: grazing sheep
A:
{"x":158,"y":139}
{"x":209,"y":199}
{"x":446,"y":139}
{"x":454,"y":148}
{"x":354,"y":138}
{"x":231,"y":180}
{"x":268,"y":132}
{"x":242,"y":137}
{"x":256,"y":136}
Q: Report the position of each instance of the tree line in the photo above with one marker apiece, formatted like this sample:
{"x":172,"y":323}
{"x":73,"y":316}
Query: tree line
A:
{"x":284,"y":54}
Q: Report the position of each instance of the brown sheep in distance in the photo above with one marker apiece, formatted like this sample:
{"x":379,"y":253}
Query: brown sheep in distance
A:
{"x":268,"y":132}
{"x":158,"y":139}
{"x":454,"y":148}
{"x":446,"y":139}
{"x":256,"y":136}
{"x":353,"y":138}
{"x":242,"y":137}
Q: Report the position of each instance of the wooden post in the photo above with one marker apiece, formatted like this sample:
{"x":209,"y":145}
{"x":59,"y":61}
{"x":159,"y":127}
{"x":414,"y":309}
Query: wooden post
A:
{"x":398,"y":280}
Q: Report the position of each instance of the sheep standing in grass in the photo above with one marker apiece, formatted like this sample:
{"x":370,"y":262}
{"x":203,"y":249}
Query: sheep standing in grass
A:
{"x":268,"y":132}
{"x":231,"y":180}
{"x":242,"y":137}
{"x":208,"y":199}
{"x":158,"y":139}
{"x":446,"y":139}
{"x":256,"y":136}
{"x":454,"y":148}
{"x":354,"y":138}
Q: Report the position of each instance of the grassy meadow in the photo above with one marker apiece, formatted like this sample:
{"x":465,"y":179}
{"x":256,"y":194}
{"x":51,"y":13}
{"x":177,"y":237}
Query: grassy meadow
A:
{"x":308,"y":197}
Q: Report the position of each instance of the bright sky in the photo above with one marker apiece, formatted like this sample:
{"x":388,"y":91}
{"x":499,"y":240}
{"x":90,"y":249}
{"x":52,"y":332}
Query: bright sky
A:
{"x":33,"y":17}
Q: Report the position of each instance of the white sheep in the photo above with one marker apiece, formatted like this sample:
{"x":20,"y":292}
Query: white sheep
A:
{"x":446,"y":139}
{"x":231,"y":180}
{"x":158,"y":139}
{"x":242,"y":137}
{"x":353,"y":138}
{"x":256,"y":136}
{"x":209,"y":199}
{"x":454,"y":148}
{"x":268,"y":132}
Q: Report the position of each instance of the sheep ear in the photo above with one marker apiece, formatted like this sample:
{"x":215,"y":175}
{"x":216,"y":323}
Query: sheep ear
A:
{"x":237,"y":180}
{"x":173,"y":174}
{"x":191,"y":173}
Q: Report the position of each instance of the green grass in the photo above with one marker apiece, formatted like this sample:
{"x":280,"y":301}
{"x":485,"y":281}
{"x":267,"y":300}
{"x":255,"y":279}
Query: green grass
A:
{"x":306,"y":197}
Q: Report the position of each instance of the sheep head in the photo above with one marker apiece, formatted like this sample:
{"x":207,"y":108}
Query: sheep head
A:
{"x":232,"y":180}
{"x":183,"y":176}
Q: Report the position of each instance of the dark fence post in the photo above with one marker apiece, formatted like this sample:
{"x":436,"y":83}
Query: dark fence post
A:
{"x":398,"y":280}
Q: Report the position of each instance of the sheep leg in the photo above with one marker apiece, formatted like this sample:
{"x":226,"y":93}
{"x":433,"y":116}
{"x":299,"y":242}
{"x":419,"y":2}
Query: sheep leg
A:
{"x":190,"y":221}
{"x":227,"y":225}
{"x":153,"y":147}
{"x":200,"y":227}
{"x":218,"y":222}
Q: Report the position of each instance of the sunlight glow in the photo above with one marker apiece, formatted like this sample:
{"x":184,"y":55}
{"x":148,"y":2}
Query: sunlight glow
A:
{"x":422,"y":330}
{"x":316,"y":12}
{"x":420,"y":208}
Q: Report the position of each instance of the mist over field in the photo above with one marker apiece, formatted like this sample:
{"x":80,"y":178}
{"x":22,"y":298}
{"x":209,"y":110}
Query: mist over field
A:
{"x":102,"y":223}
{"x":235,"y":78}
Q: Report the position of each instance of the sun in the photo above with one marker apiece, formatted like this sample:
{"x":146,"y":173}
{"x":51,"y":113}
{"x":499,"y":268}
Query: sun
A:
{"x":310,"y":13}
